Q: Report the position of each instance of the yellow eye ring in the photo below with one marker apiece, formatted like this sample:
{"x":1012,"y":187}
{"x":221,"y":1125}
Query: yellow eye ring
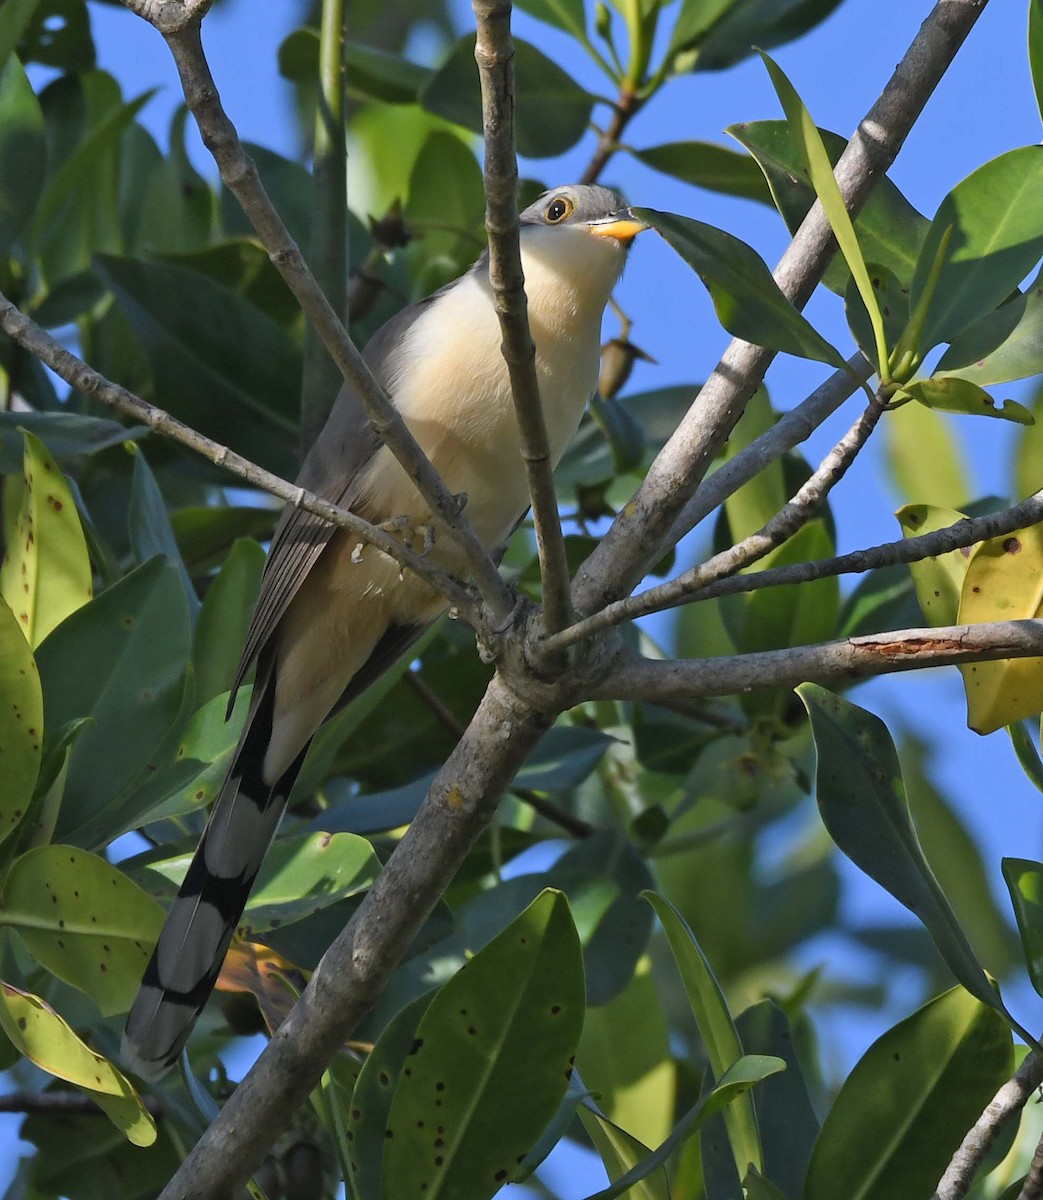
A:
{"x":558,"y":209}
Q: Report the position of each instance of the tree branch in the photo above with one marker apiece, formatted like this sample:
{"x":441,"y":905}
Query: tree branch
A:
{"x":661,"y":681}
{"x":64,"y":1104}
{"x":85,"y":379}
{"x":1006,"y":1104}
{"x":494,"y":53}
{"x":239,"y":174}
{"x":791,"y":517}
{"x":789,"y":430}
{"x":888,"y":554}
{"x":627,"y":105}
{"x":636,"y":537}
{"x":356,"y":967}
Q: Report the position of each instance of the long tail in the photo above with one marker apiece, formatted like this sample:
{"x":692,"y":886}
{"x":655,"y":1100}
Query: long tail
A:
{"x":192,"y":945}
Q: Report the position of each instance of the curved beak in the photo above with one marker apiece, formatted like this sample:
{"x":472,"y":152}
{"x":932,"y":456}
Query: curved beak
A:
{"x":622,"y":225}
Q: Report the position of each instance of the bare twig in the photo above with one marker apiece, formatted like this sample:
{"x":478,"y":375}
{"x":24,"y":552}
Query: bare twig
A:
{"x":661,"y":681}
{"x":85,"y":379}
{"x":888,"y":554}
{"x":63,"y":1104}
{"x":494,"y":53}
{"x":791,"y":517}
{"x":626,"y":106}
{"x":239,"y":174}
{"x":1002,"y":1108}
{"x":355,"y":968}
{"x":789,"y":430}
{"x":636,"y":537}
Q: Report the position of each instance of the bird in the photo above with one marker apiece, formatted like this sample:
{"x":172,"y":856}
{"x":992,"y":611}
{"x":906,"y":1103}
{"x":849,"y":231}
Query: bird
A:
{"x":333,"y":613}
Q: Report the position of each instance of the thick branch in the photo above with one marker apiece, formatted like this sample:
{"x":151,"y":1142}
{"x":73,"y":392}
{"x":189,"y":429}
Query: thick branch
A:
{"x":791,"y":517}
{"x":636,"y":537}
{"x":239,"y":175}
{"x":1003,"y":1107}
{"x":494,"y":53}
{"x":659,"y":681}
{"x":85,"y":379}
{"x":354,"y":970}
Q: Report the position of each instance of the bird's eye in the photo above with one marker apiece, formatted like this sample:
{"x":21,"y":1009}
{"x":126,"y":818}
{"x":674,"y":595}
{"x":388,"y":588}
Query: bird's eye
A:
{"x":558,"y":209}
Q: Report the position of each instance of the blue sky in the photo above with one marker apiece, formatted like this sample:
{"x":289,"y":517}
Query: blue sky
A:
{"x":983,"y":107}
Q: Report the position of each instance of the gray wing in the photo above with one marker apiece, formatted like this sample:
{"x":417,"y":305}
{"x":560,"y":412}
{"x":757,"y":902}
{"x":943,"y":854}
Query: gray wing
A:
{"x":331,"y":470}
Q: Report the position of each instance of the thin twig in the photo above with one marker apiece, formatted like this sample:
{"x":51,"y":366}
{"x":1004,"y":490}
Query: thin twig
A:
{"x":89,"y":382}
{"x":636,"y":537}
{"x":887,"y":554}
{"x":626,"y":107}
{"x":793,"y":515}
{"x":1002,"y":1108}
{"x":239,"y":175}
{"x":63,"y":1104}
{"x":1032,"y":1188}
{"x":661,"y":681}
{"x":494,"y":53}
{"x":789,"y":430}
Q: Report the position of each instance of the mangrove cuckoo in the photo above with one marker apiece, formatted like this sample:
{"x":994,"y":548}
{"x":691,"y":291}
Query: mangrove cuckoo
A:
{"x":333,"y":614}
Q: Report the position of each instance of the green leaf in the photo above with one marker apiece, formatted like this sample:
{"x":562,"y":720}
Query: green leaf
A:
{"x":813,"y":151}
{"x":15,"y":15}
{"x":907,"y":1105}
{"x":45,"y":1039}
{"x":371,"y":74}
{"x":695,"y":18}
{"x":785,"y":1115}
{"x":223,"y":619}
{"x":1004,"y":345}
{"x":242,"y":265}
{"x":951,"y":394}
{"x":148,"y":525}
{"x":446,"y":205}
{"x":620,"y":1152}
{"x":46,"y":572}
{"x":205,"y":536}
{"x":624,"y":1058}
{"x":893,"y":301}
{"x":59,"y":35}
{"x":889,"y":229}
{"x":21,"y":722}
{"x":748,"y":301}
{"x":1036,"y":49}
{"x":367,"y":1120}
{"x":861,"y":796}
{"x":300,"y":875}
{"x":564,"y":14}
{"x":23,"y":152}
{"x":120,"y":660}
{"x":997,"y":239}
{"x":925,"y":459}
{"x":707,"y":165}
{"x":69,"y":299}
{"x":1024,"y":880}
{"x":84,"y":921}
{"x":77,"y":215}
{"x":733,"y":1085}
{"x":65,"y":436}
{"x":552,"y":111}
{"x":498,"y":1038}
{"x":217,"y":362}
{"x":723,"y":1047}
{"x":744,"y":25}
{"x":563,"y":758}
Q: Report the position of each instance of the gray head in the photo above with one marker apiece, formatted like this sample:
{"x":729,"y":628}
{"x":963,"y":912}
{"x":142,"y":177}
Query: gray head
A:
{"x":597,"y":209}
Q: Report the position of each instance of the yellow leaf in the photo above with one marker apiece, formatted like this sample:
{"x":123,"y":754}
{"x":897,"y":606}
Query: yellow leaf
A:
{"x":1004,"y":582}
{"x":46,"y":571}
{"x":39,"y":1033}
{"x":938,"y":580}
